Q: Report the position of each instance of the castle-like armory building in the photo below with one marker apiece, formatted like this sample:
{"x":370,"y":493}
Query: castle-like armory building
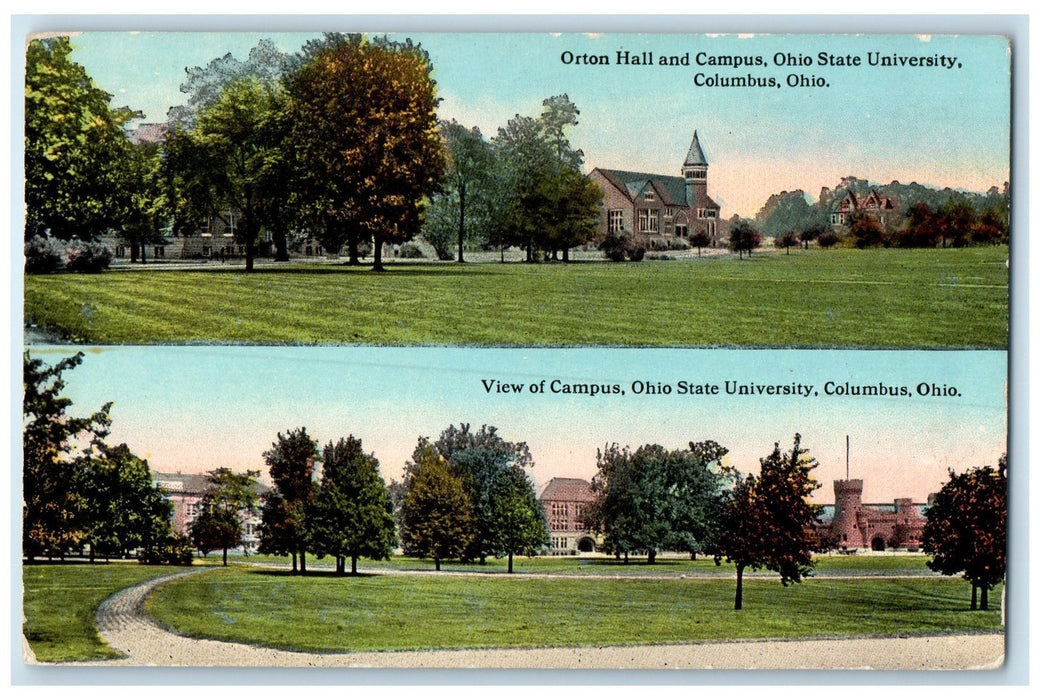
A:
{"x":659,"y":205}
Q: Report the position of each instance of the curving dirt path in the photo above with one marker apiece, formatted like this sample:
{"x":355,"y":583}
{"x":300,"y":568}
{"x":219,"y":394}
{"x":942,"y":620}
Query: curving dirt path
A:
{"x":126,"y":627}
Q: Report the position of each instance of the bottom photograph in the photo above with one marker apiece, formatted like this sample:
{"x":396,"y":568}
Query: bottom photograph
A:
{"x":436,"y":508}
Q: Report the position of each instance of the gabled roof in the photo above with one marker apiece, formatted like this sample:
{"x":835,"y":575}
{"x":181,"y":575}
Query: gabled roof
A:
{"x":565,"y":489}
{"x":696,"y":155}
{"x":671,"y":188}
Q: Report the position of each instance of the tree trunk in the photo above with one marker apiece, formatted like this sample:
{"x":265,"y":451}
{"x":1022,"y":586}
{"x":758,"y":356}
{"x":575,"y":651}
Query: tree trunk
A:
{"x":651,"y":557}
{"x":341,"y":566}
{"x":133,"y":252}
{"x":303,"y":562}
{"x":377,"y":253}
{"x":294,"y":570}
{"x":353,"y":565}
{"x":462,"y":217}
{"x":281,"y":245}
{"x":984,"y":602}
{"x":143,"y":254}
{"x":437,"y":563}
{"x":352,"y":247}
{"x":738,"y":601}
{"x":225,"y":556}
{"x":566,"y":255}
{"x":510,"y":562}
{"x":974,"y":597}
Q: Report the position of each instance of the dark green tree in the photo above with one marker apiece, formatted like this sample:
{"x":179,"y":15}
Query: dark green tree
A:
{"x":436,"y":511}
{"x":767,"y":522}
{"x":291,"y":464}
{"x":786,"y":240}
{"x":518,"y":521}
{"x":699,"y":240}
{"x":352,"y":515}
{"x":966,"y":529}
{"x":230,"y":496}
{"x":865,"y":230}
{"x":53,"y":508}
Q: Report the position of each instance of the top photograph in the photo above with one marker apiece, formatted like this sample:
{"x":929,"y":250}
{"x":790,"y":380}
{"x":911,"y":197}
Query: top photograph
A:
{"x":518,"y":190}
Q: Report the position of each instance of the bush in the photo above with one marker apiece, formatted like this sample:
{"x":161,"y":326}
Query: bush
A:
{"x":668,"y":243}
{"x":175,"y":550}
{"x":621,"y":246}
{"x":410,"y":250}
{"x":787,"y":240}
{"x":87,"y":257}
{"x":828,"y":239}
{"x":43,"y":254}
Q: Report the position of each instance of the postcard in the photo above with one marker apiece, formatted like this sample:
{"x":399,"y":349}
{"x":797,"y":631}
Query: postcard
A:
{"x":517,"y":350}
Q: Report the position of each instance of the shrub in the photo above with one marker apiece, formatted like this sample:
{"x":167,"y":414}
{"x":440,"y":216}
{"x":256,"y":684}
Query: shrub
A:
{"x":828,"y":239}
{"x":175,"y":550}
{"x":668,"y":243}
{"x":43,"y":254}
{"x":622,"y":245}
{"x":410,"y":250}
{"x":87,"y":257}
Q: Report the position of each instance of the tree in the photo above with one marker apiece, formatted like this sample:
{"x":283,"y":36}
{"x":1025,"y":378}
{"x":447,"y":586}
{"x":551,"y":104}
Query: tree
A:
{"x":75,"y":147}
{"x":812,"y":232}
{"x":865,"y":230}
{"x":699,"y":240}
{"x":229,"y":495}
{"x":654,"y":498}
{"x":52,"y":505}
{"x":364,"y":131}
{"x":744,"y":237}
{"x":352,"y":515}
{"x":468,"y":190}
{"x":768,"y":522}
{"x":966,"y":529}
{"x":786,"y":240}
{"x":291,"y":464}
{"x":518,"y":520}
{"x":124,"y":509}
{"x":436,"y":512}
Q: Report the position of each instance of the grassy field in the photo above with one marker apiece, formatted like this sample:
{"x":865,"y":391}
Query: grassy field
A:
{"x":60,"y":603}
{"x":325,"y":613}
{"x":955,"y":298}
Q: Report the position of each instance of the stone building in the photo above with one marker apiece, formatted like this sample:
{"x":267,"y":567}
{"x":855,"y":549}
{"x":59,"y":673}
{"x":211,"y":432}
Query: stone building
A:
{"x":659,"y":205}
{"x":565,"y":502}
{"x":853,"y":524}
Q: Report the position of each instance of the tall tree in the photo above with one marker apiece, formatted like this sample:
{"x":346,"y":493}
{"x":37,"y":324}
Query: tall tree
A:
{"x":744,"y":237}
{"x":124,"y":509}
{"x":229,"y":497}
{"x":52,"y":505}
{"x":291,"y":464}
{"x":364,"y":132}
{"x":768,"y":522}
{"x":352,"y":515}
{"x":518,"y":520}
{"x":436,"y":511}
{"x":75,"y":147}
{"x":966,"y":529}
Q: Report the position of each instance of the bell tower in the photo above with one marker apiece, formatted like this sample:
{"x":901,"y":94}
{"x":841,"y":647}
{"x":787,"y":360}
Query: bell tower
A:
{"x":695,"y":173}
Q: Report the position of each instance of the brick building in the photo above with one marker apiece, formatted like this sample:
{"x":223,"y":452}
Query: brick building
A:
{"x":878,"y":526}
{"x":879,"y":208}
{"x":659,"y":205}
{"x":565,"y":501}
{"x":186,"y":491}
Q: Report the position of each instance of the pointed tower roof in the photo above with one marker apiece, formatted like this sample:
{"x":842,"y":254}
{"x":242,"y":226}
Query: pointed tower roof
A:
{"x":696,"y":155}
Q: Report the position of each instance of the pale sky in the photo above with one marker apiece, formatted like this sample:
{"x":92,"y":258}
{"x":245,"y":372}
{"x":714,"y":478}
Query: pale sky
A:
{"x":935,"y":125}
{"x":198,"y":408}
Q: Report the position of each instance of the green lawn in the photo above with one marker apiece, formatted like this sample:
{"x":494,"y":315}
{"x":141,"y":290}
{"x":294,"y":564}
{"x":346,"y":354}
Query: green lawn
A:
{"x":61,"y":602}
{"x":956,"y":298}
{"x":326,"y":613}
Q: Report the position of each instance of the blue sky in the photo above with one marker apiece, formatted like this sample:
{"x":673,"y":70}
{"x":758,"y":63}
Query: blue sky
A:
{"x":943,"y":127}
{"x":198,"y":408}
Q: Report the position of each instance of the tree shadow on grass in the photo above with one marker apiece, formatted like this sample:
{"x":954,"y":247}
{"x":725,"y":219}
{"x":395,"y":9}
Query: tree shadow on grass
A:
{"x":314,"y":573}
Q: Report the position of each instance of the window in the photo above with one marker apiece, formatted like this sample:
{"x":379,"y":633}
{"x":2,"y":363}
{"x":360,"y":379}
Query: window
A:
{"x":695,"y":173}
{"x":159,"y":252}
{"x":649,"y":195}
{"x":648,"y":220}
{"x":120,"y":251}
{"x":615,"y":220}
{"x":682,"y":230}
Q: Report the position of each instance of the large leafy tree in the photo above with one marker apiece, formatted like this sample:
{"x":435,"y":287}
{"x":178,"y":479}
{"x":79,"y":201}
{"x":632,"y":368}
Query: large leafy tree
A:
{"x":231,"y":164}
{"x":479,"y":458}
{"x":76,"y":150}
{"x":517,"y":519}
{"x":768,"y":521}
{"x":654,"y":498}
{"x":124,"y":508}
{"x":966,"y":529}
{"x":291,"y":464}
{"x":743,"y":237}
{"x":364,"y":132}
{"x":436,"y":512}
{"x":53,"y":508}
{"x":468,"y":192}
{"x":352,"y":515}
{"x":229,"y":497}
